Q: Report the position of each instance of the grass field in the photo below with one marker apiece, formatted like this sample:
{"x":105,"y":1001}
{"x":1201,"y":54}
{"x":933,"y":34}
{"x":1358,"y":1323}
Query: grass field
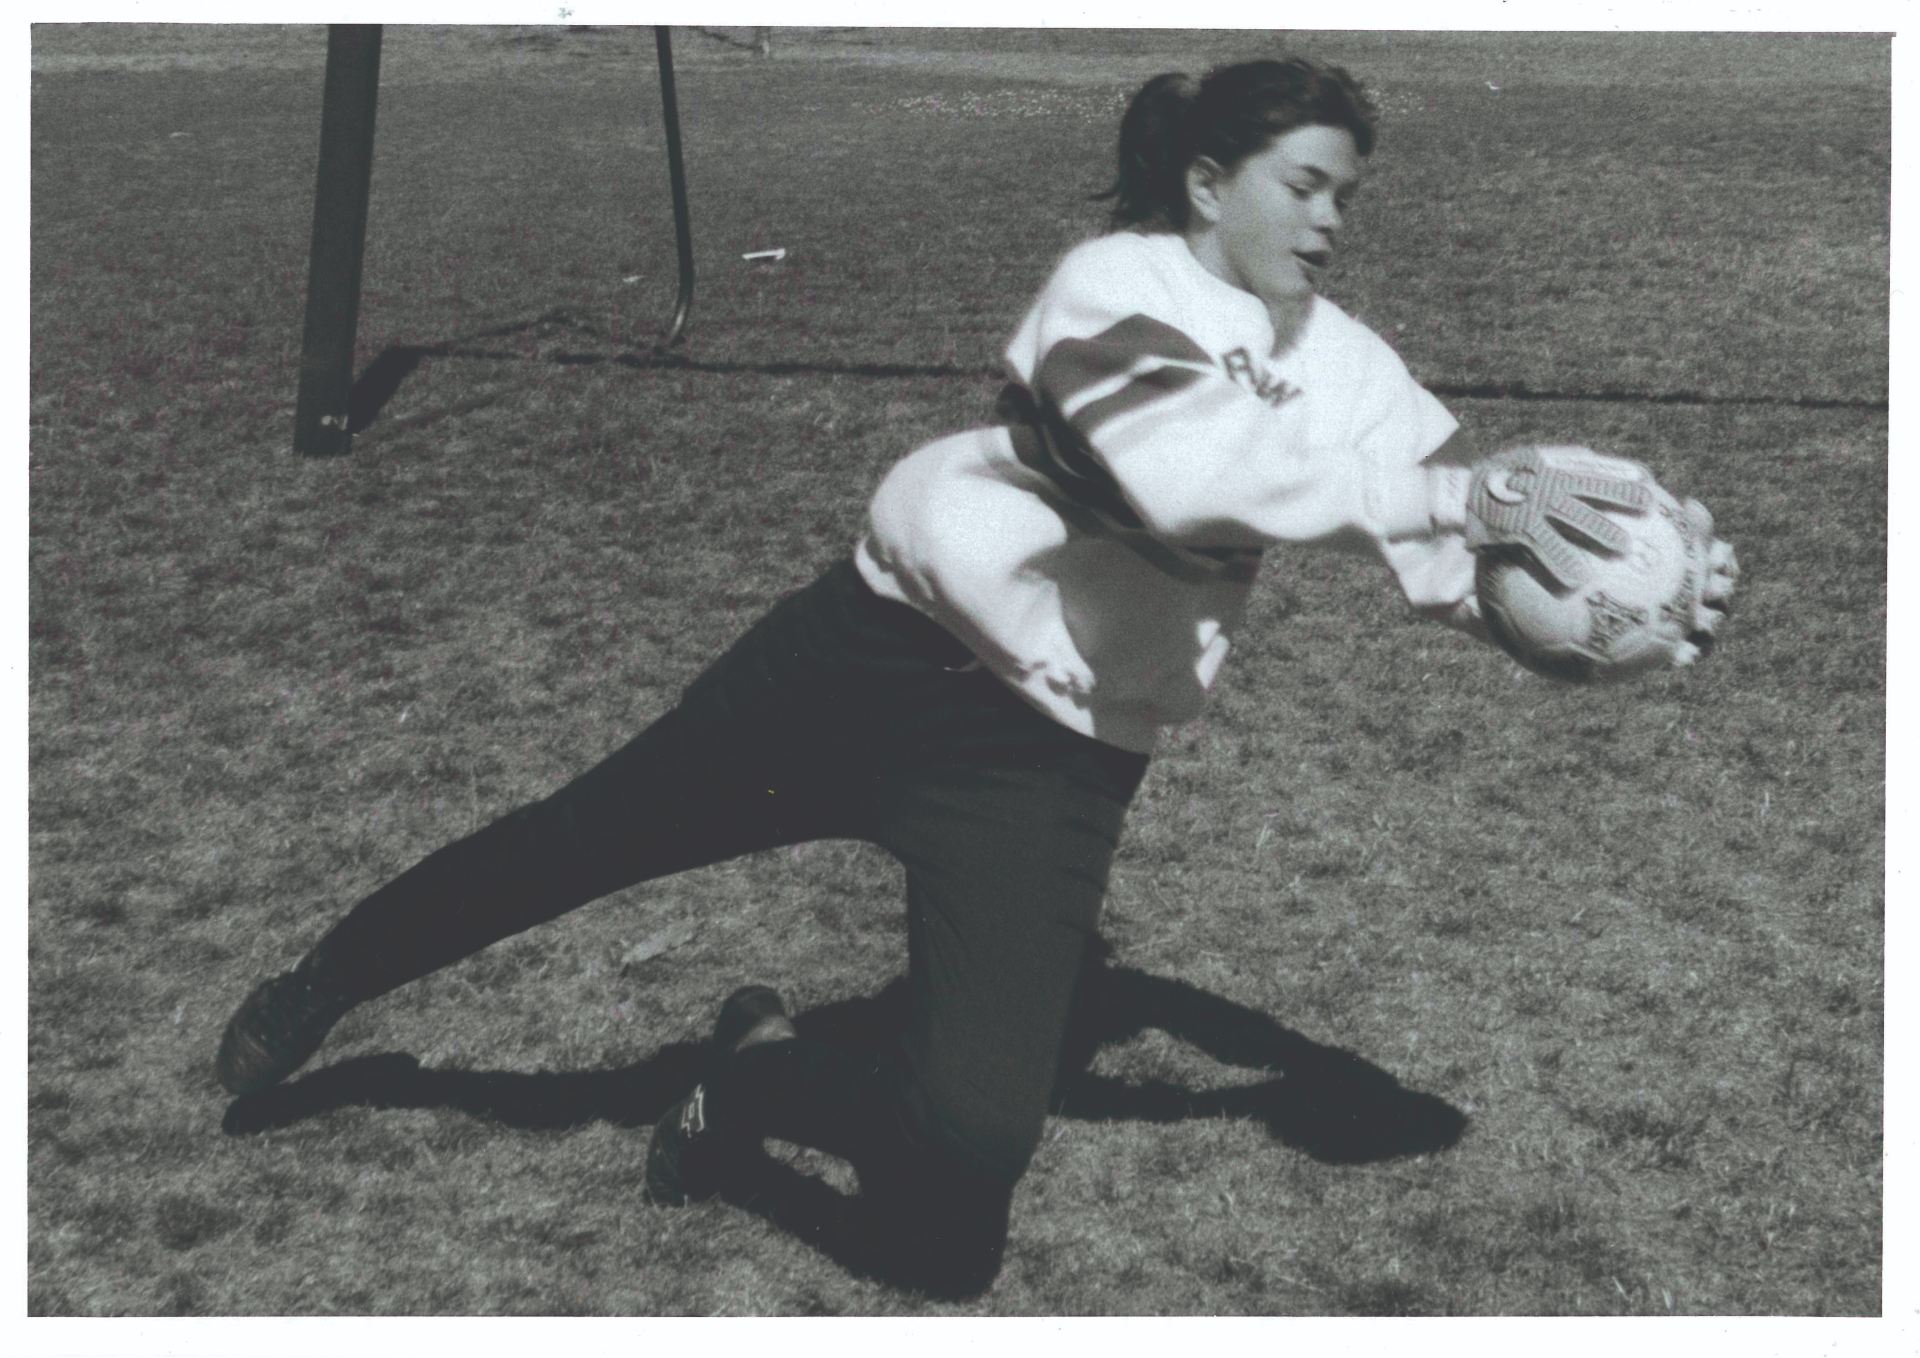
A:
{"x":1436,"y":989}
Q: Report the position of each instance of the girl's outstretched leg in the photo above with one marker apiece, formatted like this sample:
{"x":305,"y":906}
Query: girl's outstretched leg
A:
{"x":730,"y":770}
{"x":674,"y":798}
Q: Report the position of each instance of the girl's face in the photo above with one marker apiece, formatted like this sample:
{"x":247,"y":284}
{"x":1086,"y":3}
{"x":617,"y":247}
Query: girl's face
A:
{"x":1268,"y":226}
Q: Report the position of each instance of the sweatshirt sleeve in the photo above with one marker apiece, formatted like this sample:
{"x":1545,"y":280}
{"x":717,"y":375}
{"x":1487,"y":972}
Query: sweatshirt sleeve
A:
{"x":1399,"y":423}
{"x":1136,"y":419}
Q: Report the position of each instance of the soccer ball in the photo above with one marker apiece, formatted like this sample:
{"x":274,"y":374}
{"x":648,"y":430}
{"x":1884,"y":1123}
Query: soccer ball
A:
{"x":1634,"y":611}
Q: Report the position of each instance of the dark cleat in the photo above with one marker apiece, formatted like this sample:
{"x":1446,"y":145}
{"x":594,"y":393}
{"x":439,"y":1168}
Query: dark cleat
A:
{"x":751,"y":1015}
{"x":688,"y":1159}
{"x":276,"y":1030}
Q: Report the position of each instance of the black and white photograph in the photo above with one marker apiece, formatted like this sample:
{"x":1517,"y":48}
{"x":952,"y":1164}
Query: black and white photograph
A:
{"x":1054,"y":670}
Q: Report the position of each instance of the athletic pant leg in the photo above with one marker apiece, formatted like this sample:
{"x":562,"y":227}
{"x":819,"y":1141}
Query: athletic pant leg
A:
{"x":1007,"y":869}
{"x":1007,"y":825}
{"x":1008,"y":840}
{"x":735,"y":767}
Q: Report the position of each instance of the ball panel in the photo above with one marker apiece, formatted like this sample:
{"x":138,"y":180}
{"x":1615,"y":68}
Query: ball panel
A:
{"x":1514,"y":637}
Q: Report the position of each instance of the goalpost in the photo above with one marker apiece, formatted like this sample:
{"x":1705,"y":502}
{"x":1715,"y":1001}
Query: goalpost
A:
{"x":323,"y":415}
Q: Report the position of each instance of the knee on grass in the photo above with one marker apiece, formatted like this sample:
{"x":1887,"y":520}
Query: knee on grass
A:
{"x":938,"y":1209}
{"x":937,"y":1226}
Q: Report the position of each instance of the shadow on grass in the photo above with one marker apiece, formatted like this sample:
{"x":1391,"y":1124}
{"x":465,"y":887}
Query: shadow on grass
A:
{"x":1327,"y":1103}
{"x":540,"y":1101}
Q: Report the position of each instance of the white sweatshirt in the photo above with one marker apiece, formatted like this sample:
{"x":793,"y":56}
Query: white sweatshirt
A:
{"x":1097,"y":549}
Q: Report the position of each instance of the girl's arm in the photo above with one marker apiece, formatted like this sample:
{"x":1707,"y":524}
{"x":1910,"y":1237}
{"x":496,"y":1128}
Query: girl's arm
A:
{"x":1435,"y":571}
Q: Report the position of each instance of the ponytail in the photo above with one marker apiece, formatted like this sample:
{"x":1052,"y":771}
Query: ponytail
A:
{"x":1151,"y":185}
{"x":1235,"y":112}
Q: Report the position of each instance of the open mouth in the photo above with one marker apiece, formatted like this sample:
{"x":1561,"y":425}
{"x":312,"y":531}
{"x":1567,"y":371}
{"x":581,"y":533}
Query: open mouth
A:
{"x":1314,"y":259}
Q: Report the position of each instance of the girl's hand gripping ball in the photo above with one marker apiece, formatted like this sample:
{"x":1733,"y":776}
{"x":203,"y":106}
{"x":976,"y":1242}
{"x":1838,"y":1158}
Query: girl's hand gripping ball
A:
{"x":1587,"y":569}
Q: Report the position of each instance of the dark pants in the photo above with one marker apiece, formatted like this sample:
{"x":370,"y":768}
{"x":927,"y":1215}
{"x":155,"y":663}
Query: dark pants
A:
{"x":838,"y":715}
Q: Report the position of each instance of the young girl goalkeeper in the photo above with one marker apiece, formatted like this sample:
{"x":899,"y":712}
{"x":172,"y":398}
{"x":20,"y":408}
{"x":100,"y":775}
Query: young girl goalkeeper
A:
{"x":978,"y":688}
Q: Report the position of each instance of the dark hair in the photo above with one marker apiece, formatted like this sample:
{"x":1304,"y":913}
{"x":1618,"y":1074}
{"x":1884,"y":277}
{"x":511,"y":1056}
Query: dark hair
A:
{"x":1235,"y":112}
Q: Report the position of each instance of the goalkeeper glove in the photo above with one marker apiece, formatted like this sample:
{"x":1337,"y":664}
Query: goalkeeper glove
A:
{"x":1542,"y":500}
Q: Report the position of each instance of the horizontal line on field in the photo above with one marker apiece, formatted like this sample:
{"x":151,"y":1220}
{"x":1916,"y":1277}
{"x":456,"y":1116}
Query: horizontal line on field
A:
{"x":1502,"y":391}
{"x":1486,"y":391}
{"x":783,"y":368}
{"x":383,"y":377}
